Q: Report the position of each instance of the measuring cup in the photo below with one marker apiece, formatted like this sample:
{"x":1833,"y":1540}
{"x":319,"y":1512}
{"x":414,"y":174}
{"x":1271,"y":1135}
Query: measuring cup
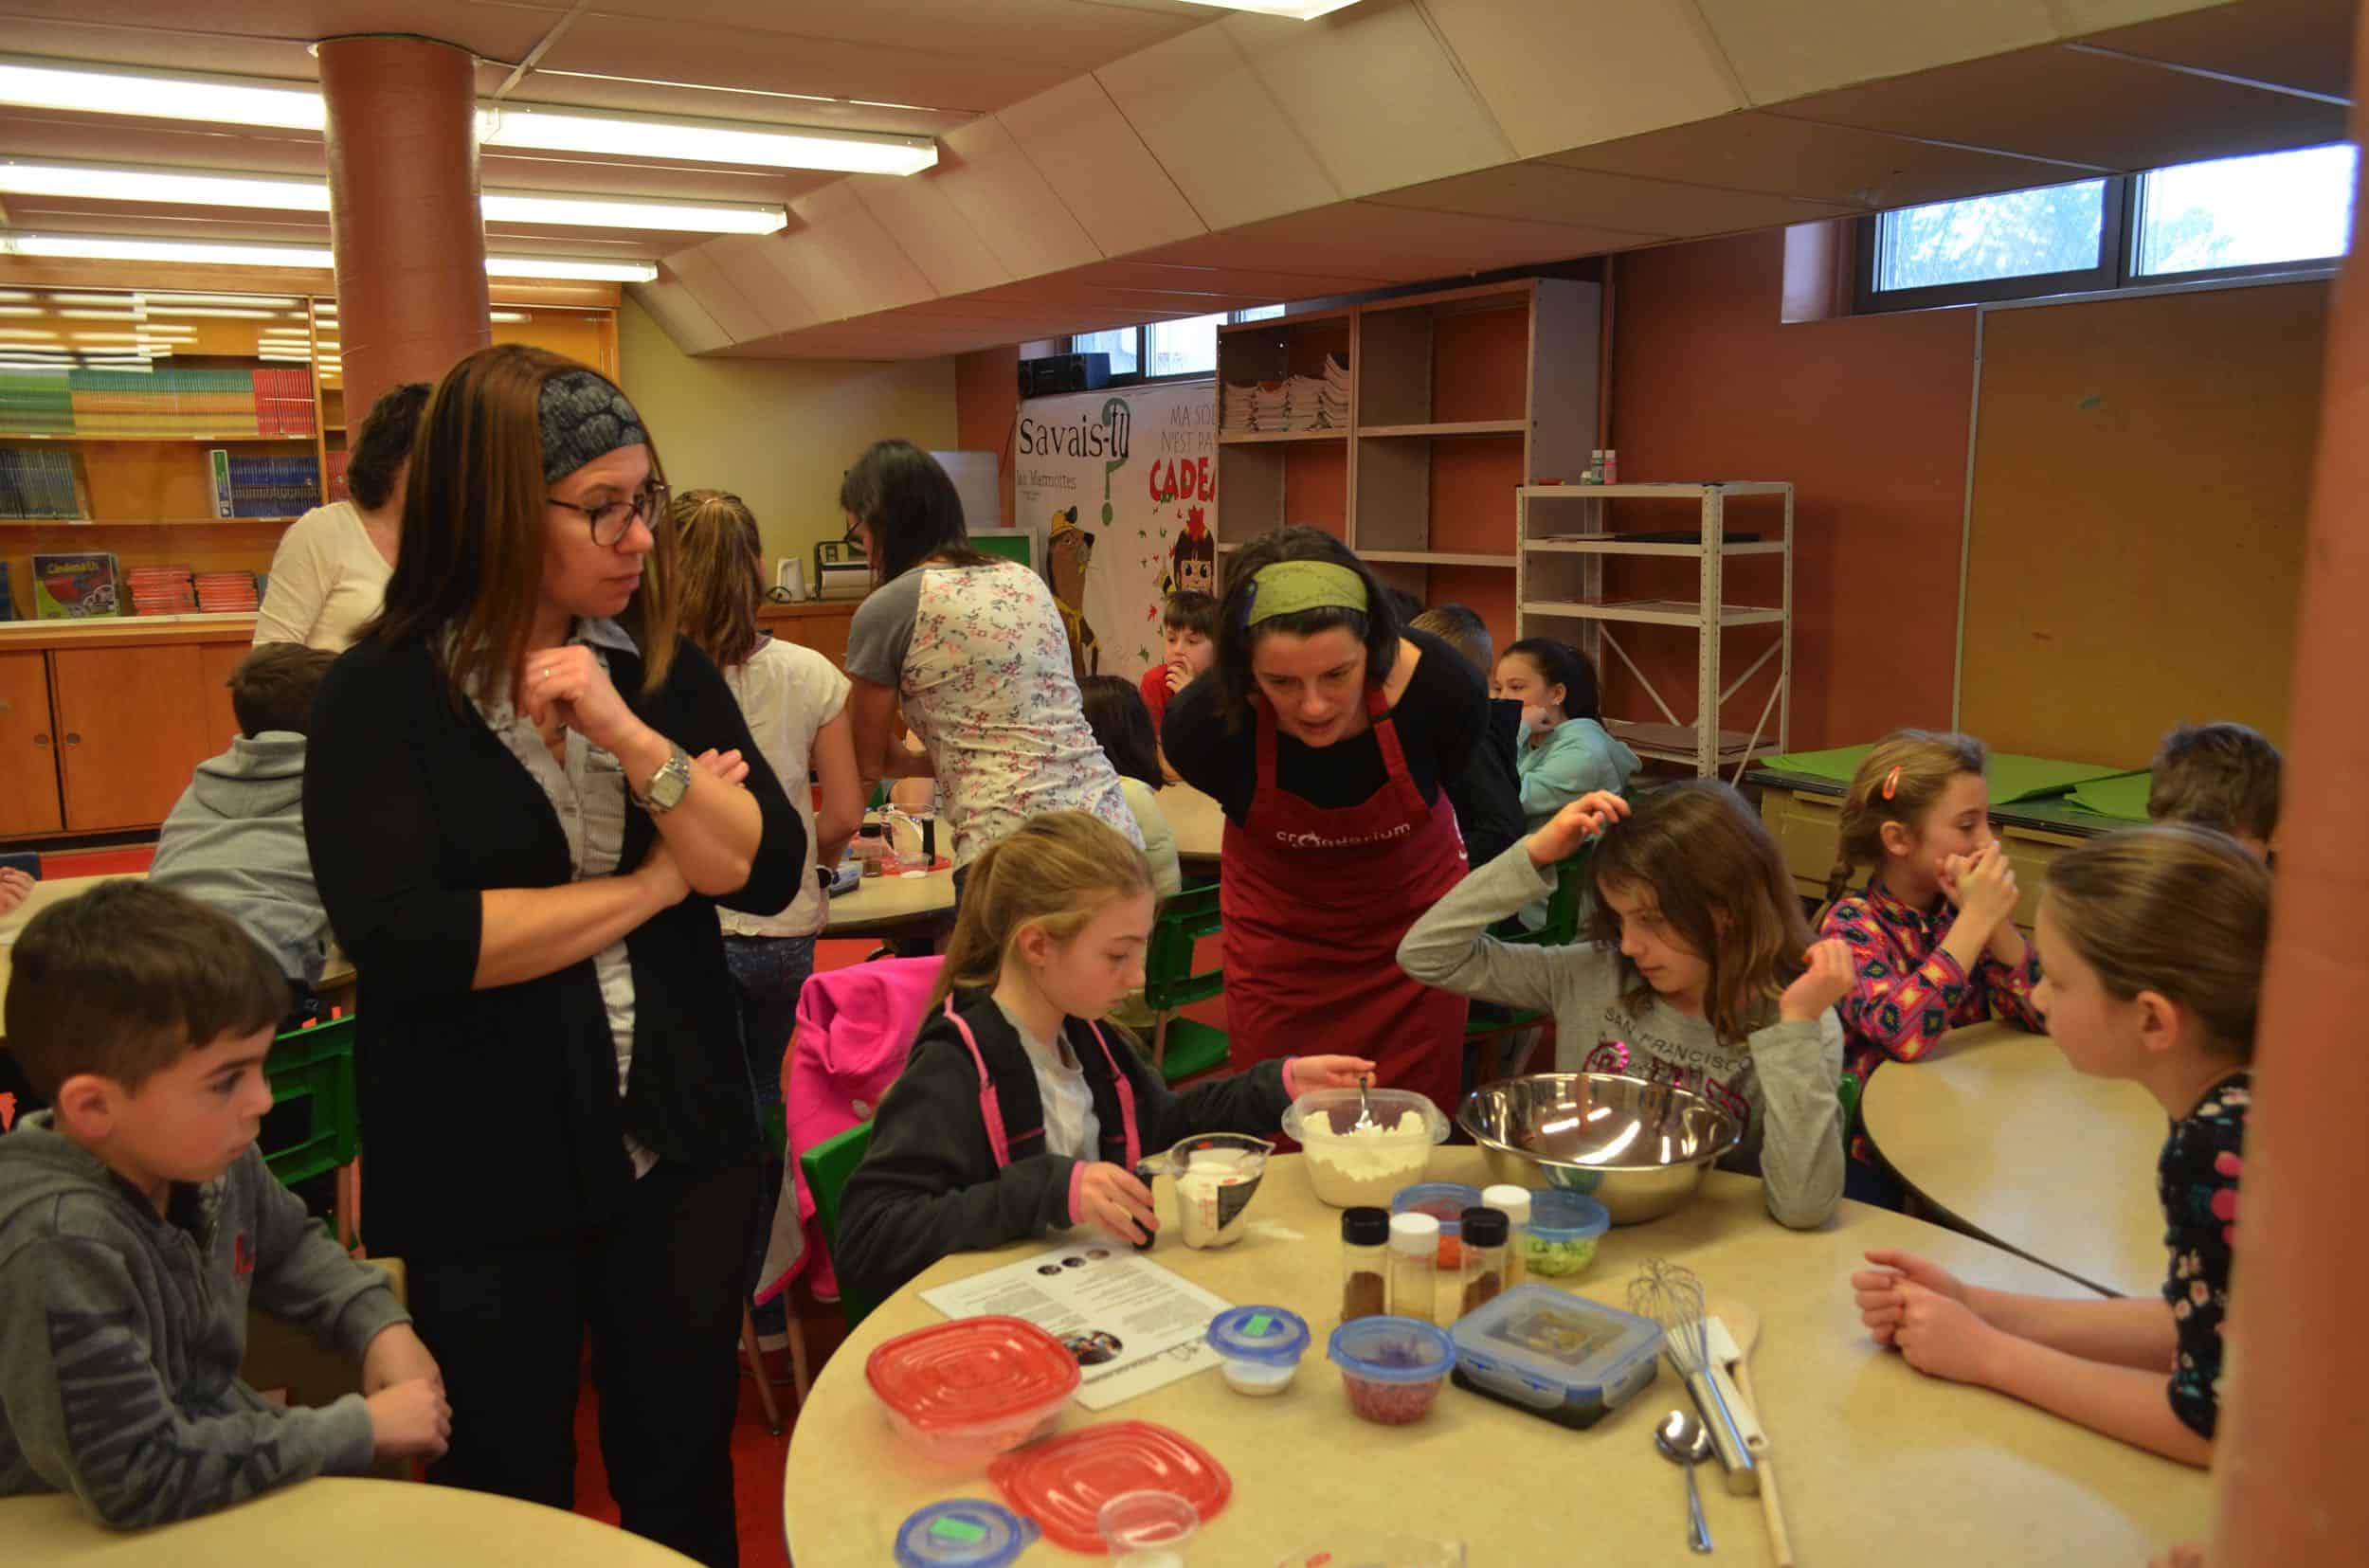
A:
{"x":1216,"y":1174}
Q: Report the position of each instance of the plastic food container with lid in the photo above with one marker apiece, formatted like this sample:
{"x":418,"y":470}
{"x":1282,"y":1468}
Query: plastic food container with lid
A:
{"x":1065,"y":1482}
{"x":1562,"y":1232}
{"x":964,"y":1392}
{"x":1351,"y":1168}
{"x":967,"y":1532}
{"x":1554,"y":1354}
{"x":1444,"y":1201}
{"x":1391,"y":1368}
{"x":1260,"y":1347}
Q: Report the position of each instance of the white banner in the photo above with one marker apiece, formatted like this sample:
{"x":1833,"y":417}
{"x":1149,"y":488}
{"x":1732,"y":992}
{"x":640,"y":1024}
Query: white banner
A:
{"x":1136,"y":469}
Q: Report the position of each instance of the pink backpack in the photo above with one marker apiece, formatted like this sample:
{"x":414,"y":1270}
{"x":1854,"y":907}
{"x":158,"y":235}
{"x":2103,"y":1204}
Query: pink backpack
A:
{"x":856,"y":1027}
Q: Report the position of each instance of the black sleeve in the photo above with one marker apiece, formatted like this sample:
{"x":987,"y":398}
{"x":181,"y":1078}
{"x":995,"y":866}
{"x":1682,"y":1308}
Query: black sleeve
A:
{"x":1454,"y":701}
{"x":1488,"y":794}
{"x":1251,"y":1102}
{"x":370,"y":825}
{"x":1222,"y":764}
{"x":713,"y":721}
{"x":928,"y":1185}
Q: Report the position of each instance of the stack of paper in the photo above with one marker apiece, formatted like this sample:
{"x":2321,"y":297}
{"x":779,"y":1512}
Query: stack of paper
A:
{"x":1236,"y":407}
{"x":1332,"y":398}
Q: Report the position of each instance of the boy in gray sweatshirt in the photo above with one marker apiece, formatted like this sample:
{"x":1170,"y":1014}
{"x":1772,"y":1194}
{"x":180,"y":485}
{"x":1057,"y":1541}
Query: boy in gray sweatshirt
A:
{"x":138,"y":1221}
{"x":1697,"y":969}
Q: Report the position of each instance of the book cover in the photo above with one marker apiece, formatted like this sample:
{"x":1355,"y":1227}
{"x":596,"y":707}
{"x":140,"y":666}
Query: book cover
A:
{"x":75,"y":587}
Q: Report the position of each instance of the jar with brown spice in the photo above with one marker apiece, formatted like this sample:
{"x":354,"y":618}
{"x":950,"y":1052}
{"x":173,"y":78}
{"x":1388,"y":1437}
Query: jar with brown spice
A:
{"x":1483,"y":1271}
{"x":1364,"y":1262}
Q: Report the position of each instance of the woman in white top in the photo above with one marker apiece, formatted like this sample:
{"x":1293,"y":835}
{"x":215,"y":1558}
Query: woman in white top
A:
{"x":973,"y":650}
{"x":329,"y":575}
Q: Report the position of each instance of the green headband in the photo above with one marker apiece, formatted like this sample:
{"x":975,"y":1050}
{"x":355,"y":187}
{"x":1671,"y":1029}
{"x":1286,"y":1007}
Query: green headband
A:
{"x":1288,"y":587}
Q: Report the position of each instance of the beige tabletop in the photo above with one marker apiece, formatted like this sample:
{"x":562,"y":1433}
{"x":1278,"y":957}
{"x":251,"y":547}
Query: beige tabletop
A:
{"x":1196,"y":820}
{"x":352,"y":1523}
{"x":1996,"y":1130}
{"x":1878,"y":1464}
{"x":886,"y":903}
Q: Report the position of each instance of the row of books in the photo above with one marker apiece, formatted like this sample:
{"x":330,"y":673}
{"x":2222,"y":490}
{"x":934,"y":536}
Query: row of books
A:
{"x":37,"y":484}
{"x":264,"y":487}
{"x":270,"y":401}
{"x":91,"y":585}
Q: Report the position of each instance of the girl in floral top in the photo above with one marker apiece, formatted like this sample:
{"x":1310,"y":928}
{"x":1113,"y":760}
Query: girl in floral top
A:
{"x":973,"y":650}
{"x":1932,"y":936}
{"x":2153,"y":942}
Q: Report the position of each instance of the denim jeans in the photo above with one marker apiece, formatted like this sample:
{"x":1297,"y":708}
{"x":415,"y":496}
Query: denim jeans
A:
{"x":768,"y":972}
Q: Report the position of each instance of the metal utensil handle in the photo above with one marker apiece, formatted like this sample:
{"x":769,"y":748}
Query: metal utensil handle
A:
{"x":1698,"y":1527}
{"x":1727,"y":1442}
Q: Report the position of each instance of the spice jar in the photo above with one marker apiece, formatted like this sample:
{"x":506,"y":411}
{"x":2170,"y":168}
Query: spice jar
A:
{"x":1483,"y":1273}
{"x":1364,"y":1262}
{"x":1415,"y":1267}
{"x":1514,"y":1203}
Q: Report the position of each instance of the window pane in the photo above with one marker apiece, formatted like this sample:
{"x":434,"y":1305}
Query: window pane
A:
{"x":2018,"y":234}
{"x":1119,"y":343}
{"x":1259,"y":312}
{"x":1184,"y":348}
{"x":2242,"y":212}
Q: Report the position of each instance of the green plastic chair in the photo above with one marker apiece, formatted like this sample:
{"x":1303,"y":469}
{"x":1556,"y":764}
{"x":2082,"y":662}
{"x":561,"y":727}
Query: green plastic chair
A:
{"x":1848,"y":1092}
{"x":1183,"y":1048}
{"x":827,"y":1167}
{"x":312,"y":1067}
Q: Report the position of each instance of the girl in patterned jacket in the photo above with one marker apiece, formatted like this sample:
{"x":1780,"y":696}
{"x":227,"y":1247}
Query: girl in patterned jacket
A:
{"x":2153,"y":942}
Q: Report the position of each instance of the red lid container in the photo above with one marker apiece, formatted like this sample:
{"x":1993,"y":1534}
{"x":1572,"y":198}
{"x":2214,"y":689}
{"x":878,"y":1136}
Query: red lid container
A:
{"x":967,"y":1390}
{"x":1063,"y":1482}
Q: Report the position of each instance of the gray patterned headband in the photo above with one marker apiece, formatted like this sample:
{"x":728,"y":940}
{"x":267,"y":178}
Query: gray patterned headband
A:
{"x":583,"y":417}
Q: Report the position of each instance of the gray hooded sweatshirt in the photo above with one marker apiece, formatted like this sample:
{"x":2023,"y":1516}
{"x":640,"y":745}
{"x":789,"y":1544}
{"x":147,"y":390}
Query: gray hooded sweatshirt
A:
{"x":121,"y":1334}
{"x":1780,"y":1083}
{"x":236,"y":840}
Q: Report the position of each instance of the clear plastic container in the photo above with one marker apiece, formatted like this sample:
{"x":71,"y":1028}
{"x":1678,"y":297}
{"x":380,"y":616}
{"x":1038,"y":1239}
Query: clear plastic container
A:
{"x":1261,"y":1346}
{"x":1216,"y":1176}
{"x":1391,"y":1368}
{"x":1554,"y":1354}
{"x":1351,"y":1169}
{"x":1148,"y":1529}
{"x":1561,"y":1239}
{"x":1414,"y":1266}
{"x":965,"y":1532}
{"x":966,"y":1391}
{"x":1514,"y":1203}
{"x":1446,"y":1202}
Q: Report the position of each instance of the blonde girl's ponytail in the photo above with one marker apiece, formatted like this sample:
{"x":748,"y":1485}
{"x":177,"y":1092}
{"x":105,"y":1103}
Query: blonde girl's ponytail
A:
{"x":1054,"y":871}
{"x":1905,"y":775}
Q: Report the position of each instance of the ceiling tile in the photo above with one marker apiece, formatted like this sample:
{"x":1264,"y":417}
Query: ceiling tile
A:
{"x":1782,"y":50}
{"x":746,"y":263}
{"x":931,"y":231}
{"x":1399,"y":244}
{"x":1009,"y":204}
{"x":2302,"y":43}
{"x":1217,"y":130}
{"x":717,"y":293}
{"x":1099,"y":167}
{"x":679,"y":312}
{"x":843,"y":261}
{"x":1079,"y":34}
{"x":1645,"y":208}
{"x":1558,"y":74}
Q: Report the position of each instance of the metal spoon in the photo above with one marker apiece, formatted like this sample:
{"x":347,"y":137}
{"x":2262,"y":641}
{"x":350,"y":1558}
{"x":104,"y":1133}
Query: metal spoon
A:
{"x":1686,"y":1442}
{"x":1364,"y":1108}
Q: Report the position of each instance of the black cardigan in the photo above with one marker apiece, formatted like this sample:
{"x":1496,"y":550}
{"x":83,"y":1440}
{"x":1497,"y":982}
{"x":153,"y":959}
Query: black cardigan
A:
{"x":492,"y":1116}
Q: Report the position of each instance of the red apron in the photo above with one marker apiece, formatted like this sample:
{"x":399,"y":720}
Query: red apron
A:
{"x":1314,"y":901}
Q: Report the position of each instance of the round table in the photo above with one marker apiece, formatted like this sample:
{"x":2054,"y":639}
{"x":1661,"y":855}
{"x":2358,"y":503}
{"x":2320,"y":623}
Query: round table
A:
{"x":352,"y":1523}
{"x":1196,"y":820}
{"x":892,"y":903}
{"x":1876,"y":1463}
{"x":1997,"y":1131}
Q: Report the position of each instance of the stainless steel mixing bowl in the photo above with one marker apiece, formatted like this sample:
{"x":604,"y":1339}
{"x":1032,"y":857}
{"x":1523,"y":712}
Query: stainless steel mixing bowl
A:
{"x":1638,"y":1148}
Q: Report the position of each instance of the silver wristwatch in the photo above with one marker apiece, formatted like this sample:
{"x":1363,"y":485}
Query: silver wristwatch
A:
{"x":668,"y":786}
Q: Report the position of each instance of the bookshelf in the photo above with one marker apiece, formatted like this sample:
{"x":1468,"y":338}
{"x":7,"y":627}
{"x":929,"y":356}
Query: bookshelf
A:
{"x":1457,"y":398}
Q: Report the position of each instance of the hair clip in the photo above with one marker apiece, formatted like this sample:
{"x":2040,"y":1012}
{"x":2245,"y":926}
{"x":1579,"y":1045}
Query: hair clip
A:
{"x":1891,"y":782}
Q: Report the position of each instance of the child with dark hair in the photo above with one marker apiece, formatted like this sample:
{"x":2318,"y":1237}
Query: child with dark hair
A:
{"x":1567,"y":751}
{"x":235,"y":839}
{"x":1188,"y":638}
{"x":138,"y":1221}
{"x":2221,"y":776}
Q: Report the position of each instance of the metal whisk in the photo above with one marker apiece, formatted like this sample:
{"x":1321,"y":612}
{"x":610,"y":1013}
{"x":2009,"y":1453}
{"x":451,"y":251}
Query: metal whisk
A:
{"x":1672,"y":1295}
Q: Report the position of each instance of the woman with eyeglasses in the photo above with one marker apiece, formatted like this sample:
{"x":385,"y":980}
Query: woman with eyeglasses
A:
{"x":973,"y":650}
{"x":525,"y":797}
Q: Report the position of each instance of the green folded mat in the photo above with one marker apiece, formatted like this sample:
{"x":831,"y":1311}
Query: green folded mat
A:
{"x":2123,"y":795}
{"x":2013,"y":777}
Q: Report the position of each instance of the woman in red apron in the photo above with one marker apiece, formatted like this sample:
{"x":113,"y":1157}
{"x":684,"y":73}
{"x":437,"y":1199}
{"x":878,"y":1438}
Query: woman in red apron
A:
{"x":1325,"y":732}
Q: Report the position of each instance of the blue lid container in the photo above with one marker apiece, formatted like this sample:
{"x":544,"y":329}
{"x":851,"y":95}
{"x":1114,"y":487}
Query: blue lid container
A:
{"x":1269,"y":1335}
{"x":1443,"y":1201}
{"x":1554,"y":1354}
{"x":966,"y":1532}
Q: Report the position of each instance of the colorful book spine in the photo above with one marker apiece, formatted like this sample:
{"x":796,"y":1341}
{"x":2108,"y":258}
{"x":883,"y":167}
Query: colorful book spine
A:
{"x":75,"y":587}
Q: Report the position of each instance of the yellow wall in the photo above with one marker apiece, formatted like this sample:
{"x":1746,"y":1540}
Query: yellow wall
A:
{"x":778,"y":432}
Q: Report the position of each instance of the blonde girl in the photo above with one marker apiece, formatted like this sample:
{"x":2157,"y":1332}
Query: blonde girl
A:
{"x":1016,"y":1114}
{"x":1932,"y":934}
{"x":1697,"y":969}
{"x":2153,"y":942}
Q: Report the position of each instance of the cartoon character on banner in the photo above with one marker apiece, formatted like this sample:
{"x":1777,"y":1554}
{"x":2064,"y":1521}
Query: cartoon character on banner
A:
{"x":1193,"y":558}
{"x":1071,"y":552}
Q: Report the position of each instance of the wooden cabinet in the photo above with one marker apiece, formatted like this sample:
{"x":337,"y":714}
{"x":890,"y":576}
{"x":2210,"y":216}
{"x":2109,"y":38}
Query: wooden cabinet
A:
{"x":821,"y":627}
{"x":29,"y":751}
{"x":1808,"y":829}
{"x":132,"y":724}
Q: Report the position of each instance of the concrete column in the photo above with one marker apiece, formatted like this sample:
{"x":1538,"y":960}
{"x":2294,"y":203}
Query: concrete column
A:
{"x":403,"y":204}
{"x":2293,"y":1436}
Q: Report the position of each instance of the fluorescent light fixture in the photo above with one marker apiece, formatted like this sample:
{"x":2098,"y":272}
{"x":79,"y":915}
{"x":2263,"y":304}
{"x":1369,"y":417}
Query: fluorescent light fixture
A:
{"x":1297,"y":11}
{"x":559,"y":130}
{"x":36,"y":84}
{"x":280,"y":193}
{"x":230,"y":313}
{"x":508,"y":316}
{"x":108,"y":247}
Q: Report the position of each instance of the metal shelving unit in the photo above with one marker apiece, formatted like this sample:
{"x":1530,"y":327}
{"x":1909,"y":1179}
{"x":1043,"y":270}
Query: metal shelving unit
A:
{"x":1564,"y":540}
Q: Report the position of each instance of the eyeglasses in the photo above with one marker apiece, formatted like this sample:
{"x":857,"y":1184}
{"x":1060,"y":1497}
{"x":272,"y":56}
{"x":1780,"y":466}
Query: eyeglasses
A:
{"x":612,"y":521}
